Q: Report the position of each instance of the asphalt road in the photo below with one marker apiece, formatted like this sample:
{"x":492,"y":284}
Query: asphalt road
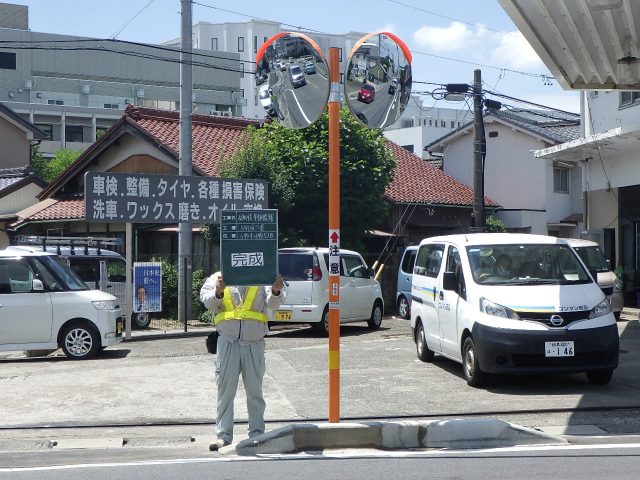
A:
{"x":567,"y":463}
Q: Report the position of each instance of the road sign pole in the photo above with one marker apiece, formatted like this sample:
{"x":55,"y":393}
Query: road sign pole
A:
{"x":334,"y":237}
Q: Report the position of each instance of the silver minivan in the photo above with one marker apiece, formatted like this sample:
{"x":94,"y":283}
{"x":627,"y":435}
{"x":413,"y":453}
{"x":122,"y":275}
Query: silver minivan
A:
{"x":590,"y":253}
{"x":403,"y":288}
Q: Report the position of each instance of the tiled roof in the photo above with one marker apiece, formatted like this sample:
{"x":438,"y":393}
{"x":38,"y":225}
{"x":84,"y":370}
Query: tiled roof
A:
{"x":213,"y":136}
{"x":67,"y":209}
{"x":416,"y":181}
{"x":556,"y":127}
{"x":10,"y":177}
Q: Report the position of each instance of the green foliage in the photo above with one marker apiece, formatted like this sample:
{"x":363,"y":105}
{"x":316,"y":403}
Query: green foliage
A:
{"x":494,"y":225}
{"x":295,"y":163}
{"x":170,"y":292}
{"x":51,"y":169}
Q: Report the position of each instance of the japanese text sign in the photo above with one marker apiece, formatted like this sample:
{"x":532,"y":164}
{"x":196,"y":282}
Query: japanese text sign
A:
{"x":249,"y":246}
{"x":147,"y":198}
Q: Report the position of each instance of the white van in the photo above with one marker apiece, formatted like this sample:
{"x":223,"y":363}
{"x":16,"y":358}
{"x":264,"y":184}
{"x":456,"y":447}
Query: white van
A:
{"x":510,"y":304}
{"x":593,"y":258}
{"x":45,"y":306}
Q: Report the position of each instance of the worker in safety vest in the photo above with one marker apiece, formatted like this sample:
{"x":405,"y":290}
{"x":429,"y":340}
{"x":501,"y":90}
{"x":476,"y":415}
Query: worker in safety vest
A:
{"x":240,"y":316}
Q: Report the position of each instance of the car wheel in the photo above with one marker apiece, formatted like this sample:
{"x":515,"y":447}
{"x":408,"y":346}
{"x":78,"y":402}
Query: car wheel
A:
{"x":140,"y":320}
{"x":424,"y":352}
{"x":617,"y":315}
{"x":80,"y":341}
{"x":323,"y":325}
{"x":403,"y":307}
{"x":375,"y":320}
{"x":600,"y":377}
{"x":472,"y":373}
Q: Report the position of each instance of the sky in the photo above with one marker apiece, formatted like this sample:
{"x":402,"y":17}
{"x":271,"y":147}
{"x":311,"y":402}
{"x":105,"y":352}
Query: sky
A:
{"x":448,"y":39}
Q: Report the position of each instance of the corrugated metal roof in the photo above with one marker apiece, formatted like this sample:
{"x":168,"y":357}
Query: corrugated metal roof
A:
{"x":586,"y":44}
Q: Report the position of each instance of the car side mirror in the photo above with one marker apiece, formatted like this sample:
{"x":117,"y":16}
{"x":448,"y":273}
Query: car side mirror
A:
{"x":370,"y":272}
{"x":37,"y":286}
{"x":449,"y":281}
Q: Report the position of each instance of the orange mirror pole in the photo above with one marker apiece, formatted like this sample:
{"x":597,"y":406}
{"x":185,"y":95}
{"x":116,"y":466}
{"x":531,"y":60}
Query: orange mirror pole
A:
{"x":334,"y":237}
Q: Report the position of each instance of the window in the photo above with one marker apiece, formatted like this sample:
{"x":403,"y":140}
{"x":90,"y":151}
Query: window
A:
{"x":428,"y":260}
{"x":241,"y":44}
{"x":214,"y":43}
{"x":55,"y":102}
{"x":560,"y":180}
{"x":255,"y":44}
{"x":264,"y":39}
{"x":8,"y":60}
{"x":161,"y":104}
{"x":408,"y":261}
{"x":73,"y":133}
{"x":47,"y":129}
{"x":241,"y":70}
{"x":111,"y":105}
{"x":116,"y":270}
{"x":454,"y":264}
{"x":87,"y":269}
{"x":629,"y":98}
{"x":15,"y":276}
{"x":355,"y":267}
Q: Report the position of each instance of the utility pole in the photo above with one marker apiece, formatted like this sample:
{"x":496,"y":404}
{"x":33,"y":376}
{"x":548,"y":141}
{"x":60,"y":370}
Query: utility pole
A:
{"x":186,"y":100}
{"x":478,"y":154}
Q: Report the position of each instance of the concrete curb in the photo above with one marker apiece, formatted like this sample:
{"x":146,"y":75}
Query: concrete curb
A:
{"x":454,"y":434}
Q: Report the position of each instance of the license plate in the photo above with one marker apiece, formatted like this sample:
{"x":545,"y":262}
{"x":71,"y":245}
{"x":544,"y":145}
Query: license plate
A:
{"x":559,"y":349}
{"x":282,"y":315}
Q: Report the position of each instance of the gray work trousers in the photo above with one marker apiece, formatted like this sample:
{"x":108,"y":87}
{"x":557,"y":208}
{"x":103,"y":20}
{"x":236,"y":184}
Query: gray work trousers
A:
{"x":234,"y":358}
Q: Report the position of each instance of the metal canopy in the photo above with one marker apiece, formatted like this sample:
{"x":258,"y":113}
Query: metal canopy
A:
{"x":586,"y":44}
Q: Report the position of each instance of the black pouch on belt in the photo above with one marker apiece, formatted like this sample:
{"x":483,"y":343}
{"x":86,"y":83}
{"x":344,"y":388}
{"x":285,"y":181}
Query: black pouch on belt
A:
{"x":212,"y":342}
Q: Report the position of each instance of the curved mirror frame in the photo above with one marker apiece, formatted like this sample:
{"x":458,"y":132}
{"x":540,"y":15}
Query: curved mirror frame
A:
{"x":377,"y":77}
{"x":292,"y":79}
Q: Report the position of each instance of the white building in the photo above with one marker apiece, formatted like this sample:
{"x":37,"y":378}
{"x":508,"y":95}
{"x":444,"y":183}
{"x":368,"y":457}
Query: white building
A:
{"x":541,"y":197}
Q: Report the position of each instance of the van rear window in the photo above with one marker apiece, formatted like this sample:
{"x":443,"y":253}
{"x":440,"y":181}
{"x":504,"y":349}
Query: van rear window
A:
{"x":296,"y":266}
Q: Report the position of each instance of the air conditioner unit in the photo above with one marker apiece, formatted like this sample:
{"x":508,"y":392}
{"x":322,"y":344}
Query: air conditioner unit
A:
{"x":215,"y":112}
{"x":140,"y":93}
{"x":226,"y":114}
{"x":86,"y":89}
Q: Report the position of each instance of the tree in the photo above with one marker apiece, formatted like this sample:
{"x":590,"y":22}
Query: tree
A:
{"x":51,"y":169}
{"x":495,"y":225}
{"x":295,"y":164}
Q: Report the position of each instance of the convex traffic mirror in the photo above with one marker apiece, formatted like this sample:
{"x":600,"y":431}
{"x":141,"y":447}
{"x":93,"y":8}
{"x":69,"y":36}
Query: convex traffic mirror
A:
{"x":292,"y":79}
{"x":377,"y":81}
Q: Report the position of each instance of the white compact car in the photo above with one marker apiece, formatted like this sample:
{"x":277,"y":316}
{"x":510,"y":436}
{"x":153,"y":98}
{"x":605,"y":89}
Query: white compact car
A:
{"x":593,"y":258}
{"x":511,"y":304}
{"x":45,"y":306}
{"x":306,"y":272}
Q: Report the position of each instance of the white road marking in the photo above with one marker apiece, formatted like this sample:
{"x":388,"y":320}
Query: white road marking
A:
{"x":299,"y":106}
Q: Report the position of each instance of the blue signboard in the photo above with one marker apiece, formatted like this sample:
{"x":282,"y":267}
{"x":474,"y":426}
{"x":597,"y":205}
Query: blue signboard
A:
{"x":147,"y":287}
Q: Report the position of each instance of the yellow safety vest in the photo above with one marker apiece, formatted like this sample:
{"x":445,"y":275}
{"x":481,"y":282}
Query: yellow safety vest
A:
{"x":228,"y":311}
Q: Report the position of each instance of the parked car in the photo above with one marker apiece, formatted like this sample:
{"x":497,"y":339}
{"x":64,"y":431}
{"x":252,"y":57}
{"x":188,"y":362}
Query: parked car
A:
{"x":296,"y":76}
{"x":403,"y":288}
{"x":283,"y":65}
{"x":98,"y":268}
{"x":264,"y":94}
{"x":393,"y":86}
{"x":367,"y":93}
{"x":306,"y":272}
{"x":45,"y":306}
{"x":593,"y":258}
{"x":309,"y":68}
{"x":511,"y":304}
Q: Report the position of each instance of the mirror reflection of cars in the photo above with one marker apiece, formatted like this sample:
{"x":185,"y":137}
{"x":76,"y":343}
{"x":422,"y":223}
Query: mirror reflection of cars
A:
{"x":590,"y":253}
{"x":296,"y":76}
{"x":46,"y":306}
{"x":264,"y":94}
{"x":309,"y":68}
{"x":367,"y":93}
{"x":261,"y":77}
{"x":393,"y":86}
{"x":283,"y":65}
{"x":306,"y":271}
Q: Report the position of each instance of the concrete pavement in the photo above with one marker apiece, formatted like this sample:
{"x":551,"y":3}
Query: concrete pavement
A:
{"x":128,"y":388}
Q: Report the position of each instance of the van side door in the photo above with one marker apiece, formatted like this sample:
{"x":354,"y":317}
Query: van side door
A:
{"x":25,"y":316}
{"x":362,"y":285}
{"x":424,"y":291}
{"x":451,"y":304}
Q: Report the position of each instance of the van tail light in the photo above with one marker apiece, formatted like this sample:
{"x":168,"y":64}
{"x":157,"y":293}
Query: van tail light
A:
{"x":316,"y":273}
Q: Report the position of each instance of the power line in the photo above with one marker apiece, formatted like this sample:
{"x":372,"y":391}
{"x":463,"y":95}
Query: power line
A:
{"x":520,"y":100}
{"x":131,"y":20}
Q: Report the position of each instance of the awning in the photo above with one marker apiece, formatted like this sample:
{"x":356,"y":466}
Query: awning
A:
{"x":380,"y":233}
{"x":617,"y":142}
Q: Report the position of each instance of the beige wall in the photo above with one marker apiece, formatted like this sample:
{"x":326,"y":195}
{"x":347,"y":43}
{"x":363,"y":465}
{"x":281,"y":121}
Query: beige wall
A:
{"x":602,"y":212}
{"x":15,"y":146}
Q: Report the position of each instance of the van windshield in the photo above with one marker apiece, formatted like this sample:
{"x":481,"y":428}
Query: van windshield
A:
{"x":592,"y":258}
{"x":520,"y":264}
{"x":53,"y":265}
